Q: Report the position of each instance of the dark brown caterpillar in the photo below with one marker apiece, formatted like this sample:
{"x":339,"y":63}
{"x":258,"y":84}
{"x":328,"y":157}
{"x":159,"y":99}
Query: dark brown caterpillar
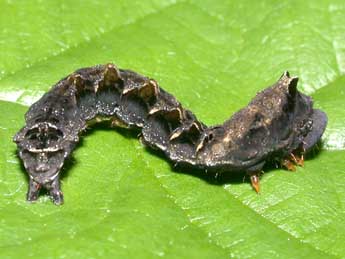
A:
{"x":278,"y":124}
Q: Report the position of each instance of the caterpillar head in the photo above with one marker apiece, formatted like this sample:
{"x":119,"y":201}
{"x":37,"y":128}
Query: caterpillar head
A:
{"x":276,"y":122}
{"x":42,"y":149}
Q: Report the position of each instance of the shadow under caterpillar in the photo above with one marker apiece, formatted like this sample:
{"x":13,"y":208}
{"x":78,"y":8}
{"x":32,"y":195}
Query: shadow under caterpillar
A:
{"x":278,"y":124}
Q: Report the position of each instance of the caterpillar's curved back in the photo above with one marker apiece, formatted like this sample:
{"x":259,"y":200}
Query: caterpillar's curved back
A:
{"x":277,"y":122}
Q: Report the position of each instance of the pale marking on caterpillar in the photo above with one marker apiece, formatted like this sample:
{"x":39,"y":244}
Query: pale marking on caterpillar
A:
{"x":279,"y":124}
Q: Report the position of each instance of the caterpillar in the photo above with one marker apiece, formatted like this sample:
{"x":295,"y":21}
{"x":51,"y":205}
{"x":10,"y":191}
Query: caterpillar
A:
{"x":279,"y":124}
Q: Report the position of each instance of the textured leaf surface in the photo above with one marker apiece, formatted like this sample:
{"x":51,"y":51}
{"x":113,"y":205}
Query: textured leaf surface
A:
{"x":122,"y":200}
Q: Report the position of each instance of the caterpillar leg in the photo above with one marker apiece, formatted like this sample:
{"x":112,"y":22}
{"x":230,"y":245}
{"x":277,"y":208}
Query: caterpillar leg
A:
{"x":55,"y":191}
{"x":298,"y":159}
{"x":288,"y":164}
{"x":255,"y":180}
{"x":292,"y":160}
{"x":53,"y":188}
{"x":34,"y":189}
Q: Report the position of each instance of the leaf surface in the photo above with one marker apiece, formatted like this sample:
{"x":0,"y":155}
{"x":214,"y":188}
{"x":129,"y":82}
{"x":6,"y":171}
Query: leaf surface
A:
{"x":122,"y":200}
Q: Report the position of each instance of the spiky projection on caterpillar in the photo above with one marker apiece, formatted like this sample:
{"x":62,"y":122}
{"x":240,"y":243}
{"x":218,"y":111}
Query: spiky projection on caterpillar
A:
{"x":278,"y":124}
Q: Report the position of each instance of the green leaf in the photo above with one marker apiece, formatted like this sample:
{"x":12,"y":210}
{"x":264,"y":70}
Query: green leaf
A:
{"x":122,"y":200}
